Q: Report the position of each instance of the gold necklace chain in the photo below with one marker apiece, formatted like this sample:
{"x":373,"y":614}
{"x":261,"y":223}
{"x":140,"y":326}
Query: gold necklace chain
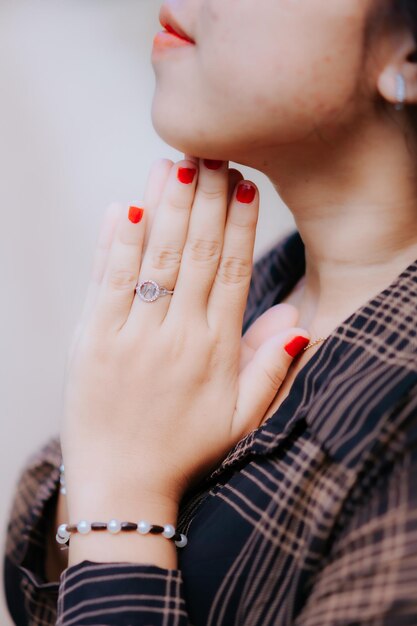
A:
{"x":313,"y":343}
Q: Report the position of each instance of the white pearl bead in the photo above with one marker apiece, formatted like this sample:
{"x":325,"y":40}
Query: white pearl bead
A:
{"x":182,"y":542}
{"x":83,"y":527}
{"x":61,"y":539}
{"x":114,"y":526}
{"x":62,"y":531}
{"x":143,"y":527}
{"x":169,"y":531}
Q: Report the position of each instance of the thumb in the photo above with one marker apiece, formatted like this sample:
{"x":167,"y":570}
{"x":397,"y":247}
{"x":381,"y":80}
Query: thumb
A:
{"x":263,"y":376}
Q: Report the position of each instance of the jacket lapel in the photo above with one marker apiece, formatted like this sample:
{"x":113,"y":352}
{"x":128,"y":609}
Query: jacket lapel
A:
{"x":350,"y":391}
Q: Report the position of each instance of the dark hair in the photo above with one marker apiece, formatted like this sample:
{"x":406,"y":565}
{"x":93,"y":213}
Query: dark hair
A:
{"x":407,"y":11}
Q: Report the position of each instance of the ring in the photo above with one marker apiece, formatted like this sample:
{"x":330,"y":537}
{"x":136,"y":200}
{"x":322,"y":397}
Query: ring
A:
{"x":149,"y":291}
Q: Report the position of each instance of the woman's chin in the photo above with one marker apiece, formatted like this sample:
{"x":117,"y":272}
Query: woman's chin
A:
{"x":176,"y":140}
{"x":188,"y":135}
{"x":175,"y":132}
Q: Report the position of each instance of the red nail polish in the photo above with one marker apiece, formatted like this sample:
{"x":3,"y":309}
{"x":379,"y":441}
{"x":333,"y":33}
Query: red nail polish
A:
{"x":295,"y":346}
{"x":245,"y":193}
{"x":135,"y":214}
{"x":186,"y":174}
{"x":212,"y":165}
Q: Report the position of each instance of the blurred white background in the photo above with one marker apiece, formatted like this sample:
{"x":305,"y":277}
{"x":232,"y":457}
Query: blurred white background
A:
{"x":76,"y":87}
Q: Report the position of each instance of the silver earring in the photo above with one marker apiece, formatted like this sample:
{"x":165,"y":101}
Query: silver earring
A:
{"x":400,"y":92}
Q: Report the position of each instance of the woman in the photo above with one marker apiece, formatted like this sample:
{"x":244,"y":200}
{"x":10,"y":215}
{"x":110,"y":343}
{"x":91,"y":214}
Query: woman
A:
{"x":287,"y":467}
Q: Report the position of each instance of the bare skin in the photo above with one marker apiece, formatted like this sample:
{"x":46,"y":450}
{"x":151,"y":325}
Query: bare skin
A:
{"x":346,"y":170}
{"x":56,"y":555}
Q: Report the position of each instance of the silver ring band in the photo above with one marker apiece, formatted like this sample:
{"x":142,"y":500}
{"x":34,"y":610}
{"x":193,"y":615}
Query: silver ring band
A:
{"x":149,"y":291}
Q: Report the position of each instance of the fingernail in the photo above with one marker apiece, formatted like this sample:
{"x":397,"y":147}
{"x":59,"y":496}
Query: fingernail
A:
{"x":296,"y":345}
{"x":135,"y":214}
{"x":245,"y":193}
{"x":212,"y":165}
{"x":186,"y":174}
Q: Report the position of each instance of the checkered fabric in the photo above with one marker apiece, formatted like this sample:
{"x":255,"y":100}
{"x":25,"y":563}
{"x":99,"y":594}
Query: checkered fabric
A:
{"x":310,"y":520}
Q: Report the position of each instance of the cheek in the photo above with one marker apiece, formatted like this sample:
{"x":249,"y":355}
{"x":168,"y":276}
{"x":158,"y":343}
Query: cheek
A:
{"x":245,"y":90}
{"x":303,"y":59}
{"x":305,"y":87}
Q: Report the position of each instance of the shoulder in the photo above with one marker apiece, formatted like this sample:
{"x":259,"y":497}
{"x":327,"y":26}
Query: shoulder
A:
{"x":370,"y":571}
{"x":37,"y":481}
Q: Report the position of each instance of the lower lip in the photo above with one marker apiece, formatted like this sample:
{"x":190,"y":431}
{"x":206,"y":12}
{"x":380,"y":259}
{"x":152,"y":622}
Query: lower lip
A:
{"x":166,"y":41}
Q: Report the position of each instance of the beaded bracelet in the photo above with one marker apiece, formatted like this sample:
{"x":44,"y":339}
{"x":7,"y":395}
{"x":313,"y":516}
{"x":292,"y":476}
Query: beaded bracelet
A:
{"x":114,"y":526}
{"x":62,"y":487}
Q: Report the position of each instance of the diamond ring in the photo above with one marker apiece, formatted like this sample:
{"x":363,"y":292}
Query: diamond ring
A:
{"x":149,"y":291}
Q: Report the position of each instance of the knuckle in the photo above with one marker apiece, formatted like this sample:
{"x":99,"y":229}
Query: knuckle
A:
{"x":128,"y":240}
{"x":204,"y":250}
{"x":244,"y":222}
{"x":274,"y":378}
{"x":214,"y":193}
{"x":234,"y":270}
{"x":121,"y":279}
{"x":165,"y":257}
{"x":177,"y":204}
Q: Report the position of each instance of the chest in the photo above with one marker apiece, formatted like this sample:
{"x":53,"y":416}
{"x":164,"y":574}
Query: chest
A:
{"x":286,"y":386}
{"x":257,"y":533}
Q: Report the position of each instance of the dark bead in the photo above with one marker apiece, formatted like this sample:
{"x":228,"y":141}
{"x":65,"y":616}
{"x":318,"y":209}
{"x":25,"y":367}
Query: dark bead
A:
{"x":176,"y":537}
{"x":72,"y":528}
{"x":156,"y":530}
{"x":129,"y":526}
{"x":99,"y":526}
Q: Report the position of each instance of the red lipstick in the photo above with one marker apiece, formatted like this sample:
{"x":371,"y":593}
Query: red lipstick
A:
{"x":173,"y":36}
{"x":172,"y":30}
{"x":165,"y":39}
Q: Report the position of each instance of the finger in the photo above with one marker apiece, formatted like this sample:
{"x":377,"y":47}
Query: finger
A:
{"x":100,"y":256}
{"x":262,"y":378}
{"x":234,"y":178}
{"x":155,"y":184}
{"x":204,"y":242}
{"x":153,"y":189}
{"x":229,"y":293}
{"x":162,"y":258}
{"x":104,"y":241}
{"x":190,"y":157}
{"x":276,"y":319}
{"x":117,"y":289}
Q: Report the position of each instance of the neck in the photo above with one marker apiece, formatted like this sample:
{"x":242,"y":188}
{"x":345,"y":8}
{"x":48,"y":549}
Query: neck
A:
{"x":355,"y":206}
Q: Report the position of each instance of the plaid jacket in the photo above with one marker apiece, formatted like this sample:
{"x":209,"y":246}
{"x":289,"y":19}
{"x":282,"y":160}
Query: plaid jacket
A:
{"x":310,"y":520}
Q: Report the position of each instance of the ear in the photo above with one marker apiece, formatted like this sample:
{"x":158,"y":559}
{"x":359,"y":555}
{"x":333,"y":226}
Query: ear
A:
{"x":402,"y":60}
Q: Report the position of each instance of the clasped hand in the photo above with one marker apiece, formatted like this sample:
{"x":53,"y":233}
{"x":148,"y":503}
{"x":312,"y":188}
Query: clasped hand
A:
{"x":157,"y":393}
